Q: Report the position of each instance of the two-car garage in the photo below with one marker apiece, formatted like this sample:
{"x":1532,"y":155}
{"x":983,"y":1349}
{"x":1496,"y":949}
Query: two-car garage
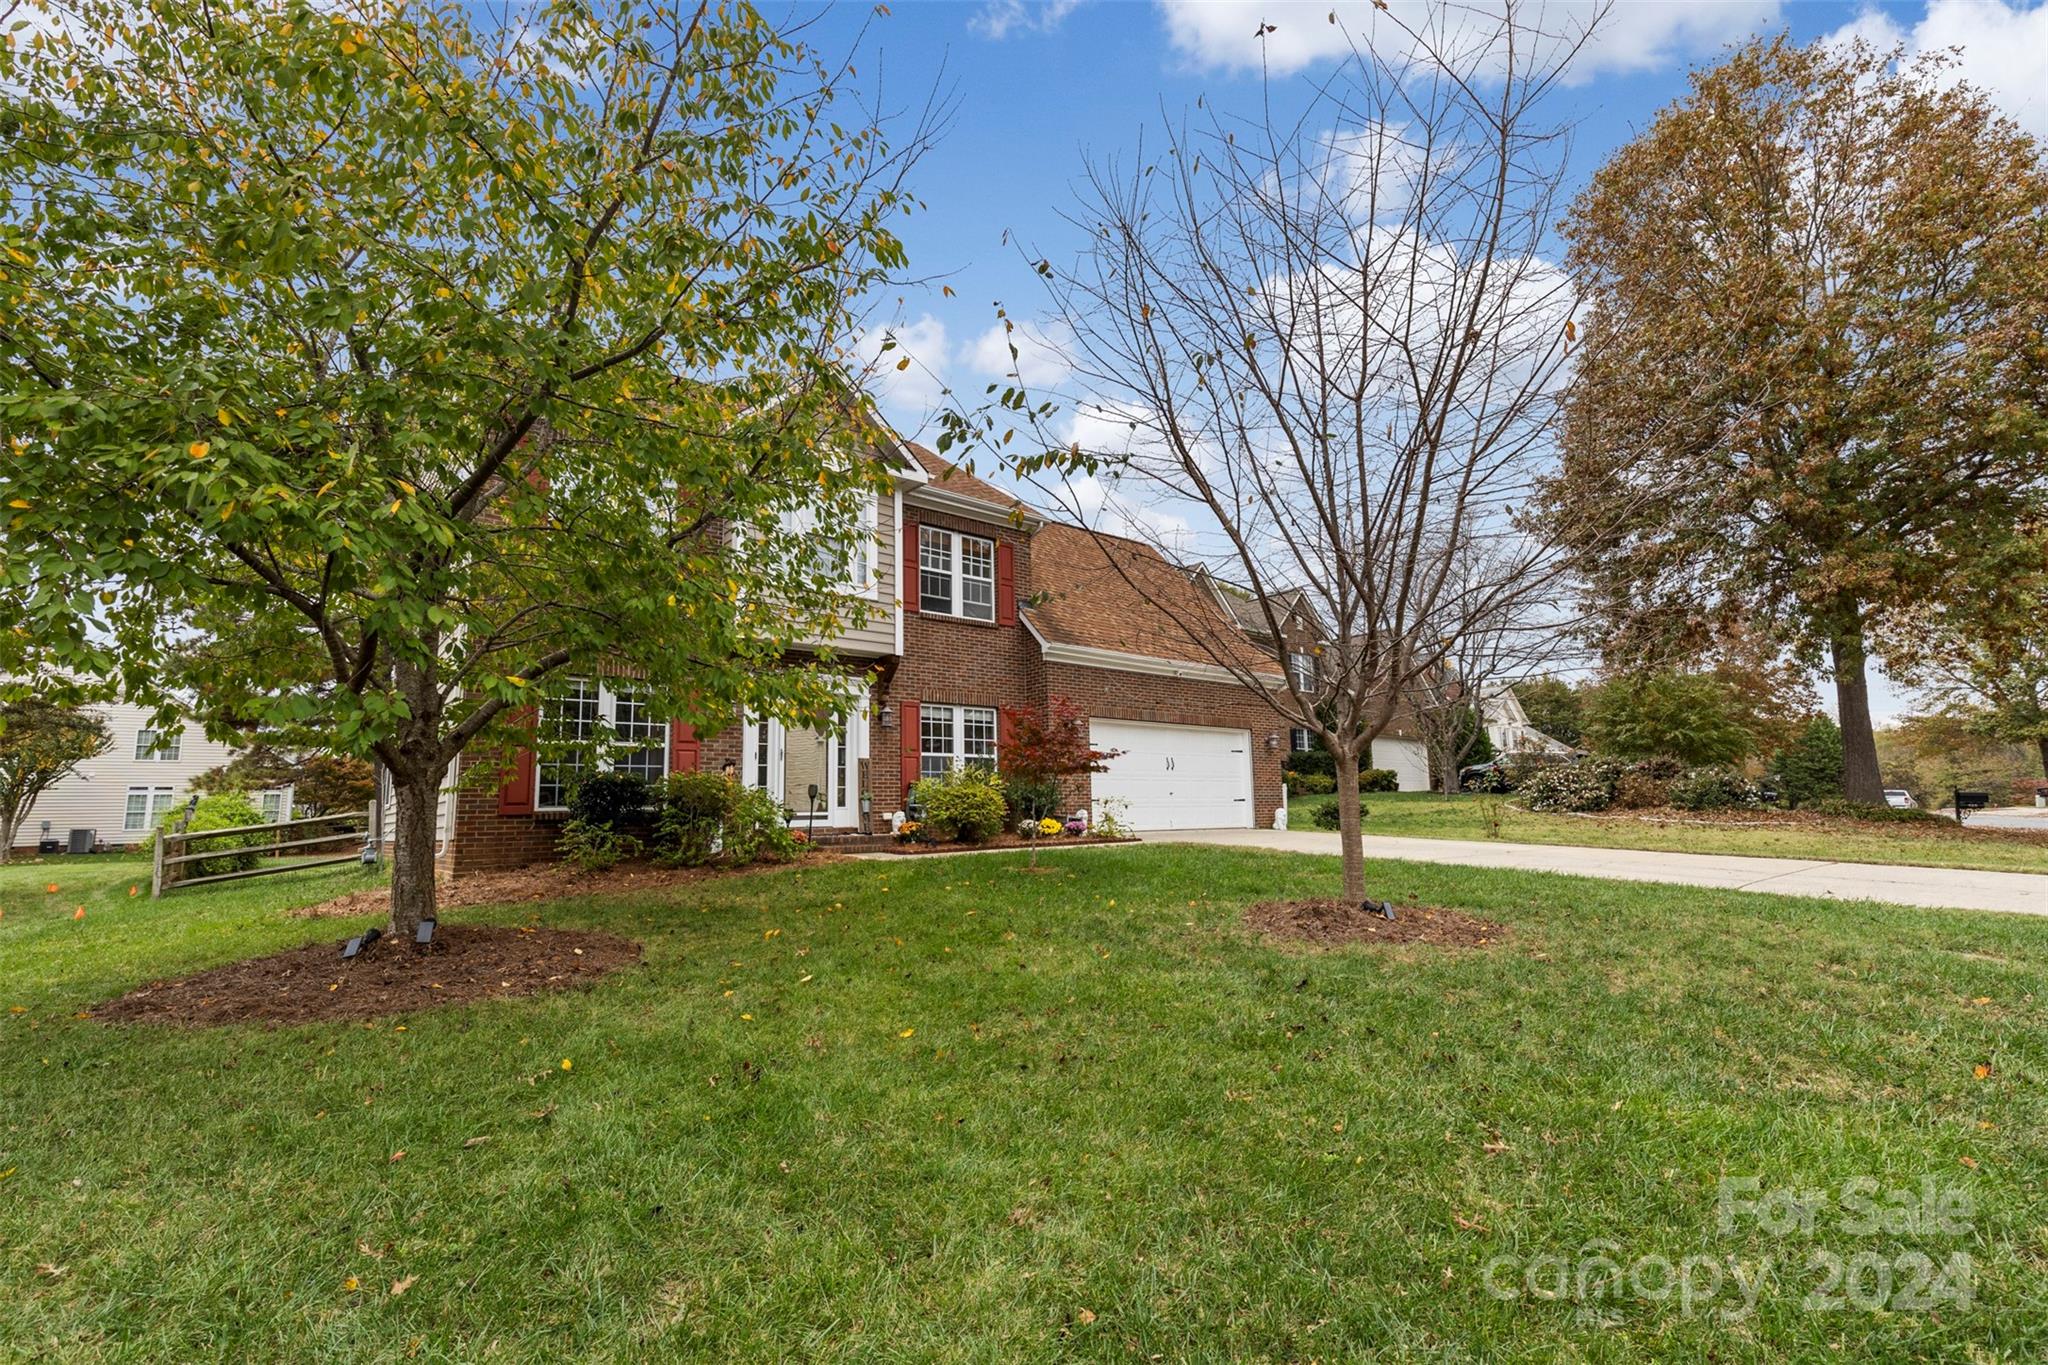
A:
{"x":1175,"y":776}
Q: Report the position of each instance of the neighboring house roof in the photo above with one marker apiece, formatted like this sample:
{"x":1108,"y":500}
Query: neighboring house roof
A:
{"x":949,"y":480}
{"x":1103,"y":593}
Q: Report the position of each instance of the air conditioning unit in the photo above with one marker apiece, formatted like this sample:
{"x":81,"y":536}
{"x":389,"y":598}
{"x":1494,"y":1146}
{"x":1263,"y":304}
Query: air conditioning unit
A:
{"x":82,"y":840}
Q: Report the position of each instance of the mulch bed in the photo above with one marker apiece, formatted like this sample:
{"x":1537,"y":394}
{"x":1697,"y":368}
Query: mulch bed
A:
{"x":1002,"y":841}
{"x":546,"y":882}
{"x":1332,"y":924}
{"x":312,"y":984}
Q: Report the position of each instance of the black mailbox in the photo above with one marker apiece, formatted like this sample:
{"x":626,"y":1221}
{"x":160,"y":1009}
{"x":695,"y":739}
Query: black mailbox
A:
{"x":1970,"y":801}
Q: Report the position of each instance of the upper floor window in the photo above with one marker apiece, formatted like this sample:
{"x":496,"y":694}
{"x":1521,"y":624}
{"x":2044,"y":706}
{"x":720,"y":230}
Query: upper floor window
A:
{"x":955,"y":735}
{"x":1301,"y":667}
{"x":845,"y":561}
{"x":150,"y":746}
{"x":579,"y":719}
{"x":1300,"y":740}
{"x":956,"y":574}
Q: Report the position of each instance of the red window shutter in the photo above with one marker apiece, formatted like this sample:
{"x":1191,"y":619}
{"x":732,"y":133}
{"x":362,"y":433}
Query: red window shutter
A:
{"x":1002,"y":735}
{"x":682,"y":747}
{"x":1006,"y":584}
{"x":907,"y":589}
{"x":516,"y":796}
{"x":913,"y":745}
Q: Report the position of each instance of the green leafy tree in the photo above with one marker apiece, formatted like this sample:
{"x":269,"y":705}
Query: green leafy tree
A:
{"x":1686,"y":716}
{"x":1810,"y":767}
{"x":1981,"y":649}
{"x":41,"y":743}
{"x":370,"y":370}
{"x":1555,"y":707}
{"x":1812,"y":364}
{"x":322,"y":784}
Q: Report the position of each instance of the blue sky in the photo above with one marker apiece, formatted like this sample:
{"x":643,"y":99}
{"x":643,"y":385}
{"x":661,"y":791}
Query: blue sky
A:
{"x":1042,"y":86}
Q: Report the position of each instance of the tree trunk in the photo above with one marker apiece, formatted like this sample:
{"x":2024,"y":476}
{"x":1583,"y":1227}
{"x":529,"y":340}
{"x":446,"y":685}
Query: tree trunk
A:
{"x":412,"y":853}
{"x":1860,"y":779}
{"x":2042,"y":742}
{"x":1349,"y":831}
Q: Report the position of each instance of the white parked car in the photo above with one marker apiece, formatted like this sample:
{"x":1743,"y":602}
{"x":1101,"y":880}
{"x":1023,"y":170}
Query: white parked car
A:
{"x":1900,"y":800}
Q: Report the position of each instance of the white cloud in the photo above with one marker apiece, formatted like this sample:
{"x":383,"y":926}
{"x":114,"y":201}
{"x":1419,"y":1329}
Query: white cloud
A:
{"x":1224,"y":34}
{"x":1041,"y":360}
{"x":903,"y":389}
{"x":2003,"y":49}
{"x":999,"y":18}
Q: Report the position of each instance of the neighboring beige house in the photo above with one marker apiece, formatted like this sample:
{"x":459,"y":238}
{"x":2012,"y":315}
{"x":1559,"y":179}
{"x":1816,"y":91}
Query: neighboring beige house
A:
{"x":1508,"y":727}
{"x":119,"y":795}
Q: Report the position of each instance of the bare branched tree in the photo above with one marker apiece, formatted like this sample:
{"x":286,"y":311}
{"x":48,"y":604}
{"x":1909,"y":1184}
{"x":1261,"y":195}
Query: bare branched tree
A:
{"x":1319,"y":353}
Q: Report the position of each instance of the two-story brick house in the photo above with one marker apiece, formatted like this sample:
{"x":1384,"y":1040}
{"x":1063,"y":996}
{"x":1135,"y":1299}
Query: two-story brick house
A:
{"x":980,"y":604}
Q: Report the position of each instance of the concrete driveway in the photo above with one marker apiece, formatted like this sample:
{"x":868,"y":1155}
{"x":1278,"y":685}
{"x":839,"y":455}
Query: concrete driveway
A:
{"x":2022,"y":893}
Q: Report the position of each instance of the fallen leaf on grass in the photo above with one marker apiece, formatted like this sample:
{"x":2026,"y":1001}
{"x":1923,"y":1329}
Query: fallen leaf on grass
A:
{"x":368,"y":1251}
{"x":79,"y":913}
{"x":477,"y":1141}
{"x":400,"y":1286}
{"x":1084,"y":1317}
{"x":906,"y":1033}
{"x":1981,"y":1071}
{"x":1971,"y":1162}
{"x":398,"y":1155}
{"x":49,"y":1271}
{"x":1466,"y":1224}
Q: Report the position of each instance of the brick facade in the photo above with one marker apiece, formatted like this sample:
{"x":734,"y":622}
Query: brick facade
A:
{"x":945,"y":660}
{"x":1110,"y":694}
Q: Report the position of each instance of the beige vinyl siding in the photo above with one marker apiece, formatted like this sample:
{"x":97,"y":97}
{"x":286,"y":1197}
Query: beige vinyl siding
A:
{"x":96,"y":796}
{"x":877,"y":635}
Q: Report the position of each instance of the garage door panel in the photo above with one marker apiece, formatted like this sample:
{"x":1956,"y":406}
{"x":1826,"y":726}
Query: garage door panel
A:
{"x":1176,"y":776}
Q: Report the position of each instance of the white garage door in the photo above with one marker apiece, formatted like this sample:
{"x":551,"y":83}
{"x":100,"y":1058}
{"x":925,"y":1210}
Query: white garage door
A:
{"x":1176,"y":776}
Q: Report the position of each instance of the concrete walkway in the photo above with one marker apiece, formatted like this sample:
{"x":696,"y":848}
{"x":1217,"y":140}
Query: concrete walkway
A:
{"x":1943,"y":887}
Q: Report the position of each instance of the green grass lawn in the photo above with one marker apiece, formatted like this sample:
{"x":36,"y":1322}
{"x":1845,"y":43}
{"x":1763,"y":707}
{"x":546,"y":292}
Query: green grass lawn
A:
{"x":945,"y":1109}
{"x":1428,"y":815}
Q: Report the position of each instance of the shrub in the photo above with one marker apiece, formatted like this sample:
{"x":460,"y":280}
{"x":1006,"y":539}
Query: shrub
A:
{"x":609,"y":799}
{"x":1109,"y":817}
{"x":1658,"y":768}
{"x":754,"y":827}
{"x":1316,"y":762}
{"x":690,"y":822}
{"x":1031,"y":800}
{"x":1308,"y":784}
{"x":595,"y":847}
{"x":1639,"y":791}
{"x":1492,"y":780}
{"x":1573,"y":787}
{"x":1327,"y":816}
{"x":222,"y":810}
{"x":1378,"y":780}
{"x":965,"y":804}
{"x":1809,"y":769}
{"x":1715,"y":788}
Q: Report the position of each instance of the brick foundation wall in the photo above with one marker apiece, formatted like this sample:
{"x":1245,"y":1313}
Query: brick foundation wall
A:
{"x":1107,"y":694}
{"x":484,"y":840}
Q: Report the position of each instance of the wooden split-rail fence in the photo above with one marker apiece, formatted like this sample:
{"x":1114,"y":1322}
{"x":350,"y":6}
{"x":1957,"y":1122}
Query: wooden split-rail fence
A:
{"x":179,"y":851}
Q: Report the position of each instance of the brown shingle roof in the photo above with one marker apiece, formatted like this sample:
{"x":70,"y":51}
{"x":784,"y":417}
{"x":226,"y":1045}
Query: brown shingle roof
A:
{"x":1105,"y":592}
{"x":951,"y":478}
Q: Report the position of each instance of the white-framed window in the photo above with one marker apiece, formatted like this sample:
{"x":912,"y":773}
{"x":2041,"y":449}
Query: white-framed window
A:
{"x":956,"y":574}
{"x":145,"y":806}
{"x":585,"y":712}
{"x":846,"y":562}
{"x":950,"y":735}
{"x":153,"y":747}
{"x":1301,"y":740}
{"x":274,"y":808}
{"x":1301,"y":667}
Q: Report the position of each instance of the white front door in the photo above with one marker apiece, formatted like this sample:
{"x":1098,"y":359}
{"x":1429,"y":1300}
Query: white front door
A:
{"x":831,"y":760}
{"x":1175,"y":776}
